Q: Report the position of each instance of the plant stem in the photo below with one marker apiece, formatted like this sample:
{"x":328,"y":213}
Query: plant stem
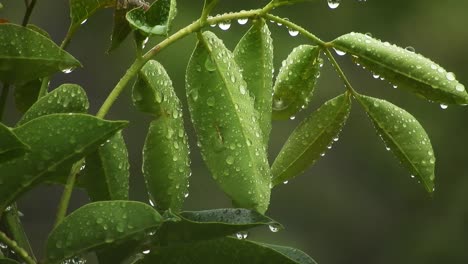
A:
{"x":17,"y":249}
{"x":340,"y":71}
{"x":67,"y":192}
{"x":13,"y":223}
{"x":3,"y":99}
{"x":29,"y":9}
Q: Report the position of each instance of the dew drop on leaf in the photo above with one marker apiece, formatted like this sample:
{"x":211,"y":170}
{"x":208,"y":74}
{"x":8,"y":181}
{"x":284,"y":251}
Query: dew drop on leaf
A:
{"x":242,"y":21}
{"x":333,"y":3}
{"x":443,"y":106}
{"x":293,"y":32}
{"x":225,"y":25}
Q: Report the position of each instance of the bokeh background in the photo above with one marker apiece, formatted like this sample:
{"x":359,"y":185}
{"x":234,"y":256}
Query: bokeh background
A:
{"x":356,"y":204}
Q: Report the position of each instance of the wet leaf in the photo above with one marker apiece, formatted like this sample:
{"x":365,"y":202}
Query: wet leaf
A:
{"x":310,"y":139}
{"x":157,"y":20}
{"x":99,"y":225}
{"x":166,"y":161}
{"x":81,"y":10}
{"x":55,"y":140}
{"x":39,"y":30}
{"x":67,"y":98}
{"x":296,"y":81}
{"x":26,"y":55}
{"x":405,"y":137}
{"x":10,"y":145}
{"x":225,"y":120}
{"x":107,"y":173}
{"x":227,"y":251}
{"x":258,"y":72}
{"x":210,"y":224}
{"x":404,"y":68}
{"x":26,"y":94}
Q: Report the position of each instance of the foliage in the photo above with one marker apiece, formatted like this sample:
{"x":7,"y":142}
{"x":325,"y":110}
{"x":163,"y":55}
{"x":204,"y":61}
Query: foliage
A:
{"x":232,"y":99}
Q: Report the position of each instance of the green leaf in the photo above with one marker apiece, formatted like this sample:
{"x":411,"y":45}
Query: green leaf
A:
{"x":405,"y":137}
{"x":258,"y":72}
{"x":405,"y":69}
{"x":227,"y":251}
{"x":224,"y":118}
{"x":166,"y":161}
{"x":210,"y":224}
{"x":296,"y":81}
{"x":99,"y":225}
{"x":39,"y":30}
{"x":8,"y":261}
{"x":26,"y":94}
{"x":26,"y":55}
{"x":288,"y":2}
{"x":107,"y":173}
{"x":81,"y":10}
{"x":311,"y":138}
{"x":67,"y":98}
{"x":10,"y":145}
{"x":55,"y":140}
{"x":157,"y":20}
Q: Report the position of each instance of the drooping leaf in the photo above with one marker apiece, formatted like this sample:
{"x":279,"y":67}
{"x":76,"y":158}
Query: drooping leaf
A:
{"x":254,"y":55}
{"x":81,"y":10}
{"x":296,"y":81}
{"x":107,"y":171}
{"x":311,"y":138}
{"x":210,"y":224}
{"x":157,"y":20}
{"x":227,"y":251}
{"x":166,"y":161}
{"x":26,"y":94}
{"x":67,"y":98}
{"x":97,"y":225}
{"x":26,"y":55}
{"x":10,"y":145}
{"x":404,"y":136}
{"x":225,"y":120}
{"x":404,"y":68}
{"x":55,"y":140}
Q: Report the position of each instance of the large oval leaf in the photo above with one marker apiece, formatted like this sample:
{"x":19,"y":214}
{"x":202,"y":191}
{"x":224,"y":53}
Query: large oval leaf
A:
{"x":107,"y":171}
{"x":26,"y":55}
{"x":227,"y":251}
{"x":311,"y":138}
{"x":404,"y":68}
{"x":254,"y":55}
{"x":404,"y":136}
{"x":10,"y":145}
{"x":55,"y":140}
{"x":97,"y":225}
{"x":81,"y":10}
{"x":67,"y":98}
{"x":157,"y":20}
{"x":225,"y":119}
{"x":296,"y":81}
{"x":166,"y":161}
{"x":210,"y":224}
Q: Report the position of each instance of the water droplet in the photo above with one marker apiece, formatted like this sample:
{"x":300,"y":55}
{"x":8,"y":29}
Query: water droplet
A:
{"x":230,"y":160}
{"x":242,"y":235}
{"x":376,"y":76}
{"x":210,"y":101}
{"x":339,"y":52}
{"x":293,"y":32}
{"x":336,"y":139}
{"x":146,"y":251}
{"x":460,"y":87}
{"x":285,"y":182}
{"x":68,"y":70}
{"x":273,"y":228}
{"x":225,"y":25}
{"x":450,"y":76}
{"x":84,"y":21}
{"x":387,"y":148}
{"x":242,"y":21}
{"x":151,"y":202}
{"x":292,"y":117}
{"x":242,"y":89}
{"x":443,"y":106}
{"x":209,"y":64}
{"x":410,"y":49}
{"x":333,"y":3}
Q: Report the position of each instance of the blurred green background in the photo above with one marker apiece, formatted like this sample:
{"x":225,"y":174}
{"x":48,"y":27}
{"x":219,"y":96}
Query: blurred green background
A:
{"x":357,"y":204}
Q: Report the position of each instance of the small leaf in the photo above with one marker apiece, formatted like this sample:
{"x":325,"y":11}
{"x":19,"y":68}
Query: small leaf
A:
{"x":166,"y":161}
{"x":405,"y":69}
{"x":296,"y":81}
{"x":310,"y":139}
{"x":405,"y":137}
{"x":26,"y":94}
{"x":227,"y":251}
{"x":81,"y":10}
{"x":210,"y":224}
{"x":107,"y":173}
{"x":67,"y":98}
{"x":26,"y":55}
{"x":10,"y":145}
{"x":99,"y":225}
{"x":55,"y":140}
{"x":224,"y":118}
{"x":157,"y":20}
{"x":258,"y":72}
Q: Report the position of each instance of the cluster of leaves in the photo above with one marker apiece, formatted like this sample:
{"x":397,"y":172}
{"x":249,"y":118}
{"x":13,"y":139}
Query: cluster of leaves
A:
{"x":232,"y":99}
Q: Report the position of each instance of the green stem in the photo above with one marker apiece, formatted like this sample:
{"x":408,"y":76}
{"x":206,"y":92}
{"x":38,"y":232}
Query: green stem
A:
{"x":17,"y":249}
{"x":29,"y":9}
{"x":13,"y":223}
{"x":67,"y":193}
{"x":3,"y":99}
{"x":340,"y":71}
